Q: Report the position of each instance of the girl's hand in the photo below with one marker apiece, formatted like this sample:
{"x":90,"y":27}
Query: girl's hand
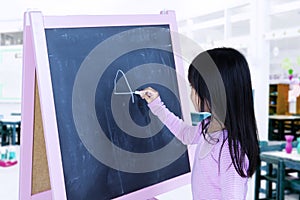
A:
{"x":149,"y":94}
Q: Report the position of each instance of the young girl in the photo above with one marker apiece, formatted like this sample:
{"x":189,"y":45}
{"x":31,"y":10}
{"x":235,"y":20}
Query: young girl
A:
{"x":227,"y":151}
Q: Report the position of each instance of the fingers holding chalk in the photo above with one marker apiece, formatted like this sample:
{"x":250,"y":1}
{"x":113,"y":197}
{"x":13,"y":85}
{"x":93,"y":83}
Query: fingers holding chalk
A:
{"x":149,"y":94}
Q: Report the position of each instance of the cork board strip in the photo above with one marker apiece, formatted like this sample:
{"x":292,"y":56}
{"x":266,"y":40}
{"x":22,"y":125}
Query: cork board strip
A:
{"x":40,"y":172}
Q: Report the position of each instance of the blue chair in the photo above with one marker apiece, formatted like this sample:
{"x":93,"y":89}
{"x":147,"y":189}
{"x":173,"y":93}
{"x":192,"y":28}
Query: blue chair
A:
{"x":292,"y":183}
{"x":275,"y":171}
{"x":268,"y":172}
{"x":5,"y":134}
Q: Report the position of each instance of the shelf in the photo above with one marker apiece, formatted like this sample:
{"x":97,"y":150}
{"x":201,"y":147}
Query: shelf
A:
{"x":273,"y":94}
{"x":285,"y":7}
{"x":217,"y":22}
{"x":225,"y":26}
{"x":216,"y":10}
{"x":278,"y":98}
{"x":236,"y":42}
{"x":208,"y":24}
{"x":238,"y":4}
{"x":282,"y":33}
{"x":255,"y":28}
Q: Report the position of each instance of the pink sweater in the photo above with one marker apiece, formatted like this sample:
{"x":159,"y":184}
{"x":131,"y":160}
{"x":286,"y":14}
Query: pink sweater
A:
{"x":207,"y":181}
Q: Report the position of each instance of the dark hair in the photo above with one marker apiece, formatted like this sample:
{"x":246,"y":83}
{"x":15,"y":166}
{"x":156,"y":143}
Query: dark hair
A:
{"x":222,"y":80}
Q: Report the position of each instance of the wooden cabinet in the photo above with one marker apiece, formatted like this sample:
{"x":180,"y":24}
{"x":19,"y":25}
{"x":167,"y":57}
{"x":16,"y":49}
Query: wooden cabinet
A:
{"x":298,"y":106}
{"x":278,"y":99}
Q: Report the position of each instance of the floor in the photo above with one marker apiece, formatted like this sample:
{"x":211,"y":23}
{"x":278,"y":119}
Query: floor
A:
{"x":286,"y":197}
{"x":9,"y":185}
{"x":9,"y":180}
{"x":291,"y":197}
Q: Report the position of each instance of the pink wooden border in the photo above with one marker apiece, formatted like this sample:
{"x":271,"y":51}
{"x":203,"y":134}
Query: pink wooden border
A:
{"x":27,"y":113}
{"x":35,"y":54}
{"x":47,"y":107}
{"x":107,"y":20}
{"x":42,"y":196}
{"x":157,"y":189}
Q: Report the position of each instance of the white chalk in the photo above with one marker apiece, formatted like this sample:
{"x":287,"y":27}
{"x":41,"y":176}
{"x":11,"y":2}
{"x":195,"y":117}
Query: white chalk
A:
{"x":138,"y":92}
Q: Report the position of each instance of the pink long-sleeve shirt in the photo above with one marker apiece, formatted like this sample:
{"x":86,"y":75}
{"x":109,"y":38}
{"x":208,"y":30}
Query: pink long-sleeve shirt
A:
{"x":209,"y":181}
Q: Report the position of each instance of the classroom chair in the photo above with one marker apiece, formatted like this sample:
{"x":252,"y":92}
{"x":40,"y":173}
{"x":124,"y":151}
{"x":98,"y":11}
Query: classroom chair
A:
{"x":267,"y":171}
{"x":275,"y":172}
{"x":5,"y":134}
{"x":292,"y":183}
{"x":18,"y":132}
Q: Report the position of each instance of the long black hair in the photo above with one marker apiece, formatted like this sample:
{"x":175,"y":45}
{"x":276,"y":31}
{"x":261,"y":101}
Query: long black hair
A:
{"x":222,"y":80}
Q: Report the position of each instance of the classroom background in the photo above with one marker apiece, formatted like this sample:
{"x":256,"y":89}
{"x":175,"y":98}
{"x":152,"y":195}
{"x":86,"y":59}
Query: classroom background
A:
{"x":267,"y":32}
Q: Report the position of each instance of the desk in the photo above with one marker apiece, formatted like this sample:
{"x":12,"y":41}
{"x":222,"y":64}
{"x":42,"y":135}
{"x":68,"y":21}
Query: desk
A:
{"x":283,"y":155}
{"x":13,"y":122}
{"x":281,"y":120}
{"x":283,"y":161}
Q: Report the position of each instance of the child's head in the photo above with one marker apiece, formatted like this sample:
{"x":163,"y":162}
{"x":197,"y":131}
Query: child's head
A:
{"x":221,"y":82}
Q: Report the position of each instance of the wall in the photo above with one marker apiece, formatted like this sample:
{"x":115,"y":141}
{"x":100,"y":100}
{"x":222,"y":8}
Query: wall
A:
{"x":11,"y":15}
{"x":10,"y":79}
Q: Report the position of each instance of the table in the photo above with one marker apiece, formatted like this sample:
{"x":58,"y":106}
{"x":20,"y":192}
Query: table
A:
{"x":282,"y":161}
{"x":281,"y":121}
{"x":283,"y":155}
{"x":14,"y":122}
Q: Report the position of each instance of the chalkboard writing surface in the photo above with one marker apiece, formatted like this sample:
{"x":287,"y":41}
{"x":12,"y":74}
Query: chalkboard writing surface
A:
{"x":83,"y":66}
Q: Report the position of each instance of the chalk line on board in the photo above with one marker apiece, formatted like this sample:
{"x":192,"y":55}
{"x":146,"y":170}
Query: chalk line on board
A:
{"x":128,"y":85}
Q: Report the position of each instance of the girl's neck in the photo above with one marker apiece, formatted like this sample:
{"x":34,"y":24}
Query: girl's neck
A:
{"x":215,"y":126}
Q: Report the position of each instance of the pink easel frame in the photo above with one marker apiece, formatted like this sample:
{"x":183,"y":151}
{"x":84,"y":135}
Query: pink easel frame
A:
{"x":35,"y":61}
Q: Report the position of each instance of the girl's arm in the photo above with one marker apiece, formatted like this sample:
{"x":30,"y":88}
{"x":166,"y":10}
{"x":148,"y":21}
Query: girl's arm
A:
{"x":187,"y":134}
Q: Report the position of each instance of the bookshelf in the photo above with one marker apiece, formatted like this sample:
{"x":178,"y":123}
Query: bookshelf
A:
{"x":278,"y":99}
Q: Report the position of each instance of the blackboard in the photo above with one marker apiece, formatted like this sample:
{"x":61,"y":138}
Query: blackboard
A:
{"x":84,"y":62}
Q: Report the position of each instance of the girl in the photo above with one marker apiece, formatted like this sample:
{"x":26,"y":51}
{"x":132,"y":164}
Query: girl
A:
{"x":227,"y":151}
